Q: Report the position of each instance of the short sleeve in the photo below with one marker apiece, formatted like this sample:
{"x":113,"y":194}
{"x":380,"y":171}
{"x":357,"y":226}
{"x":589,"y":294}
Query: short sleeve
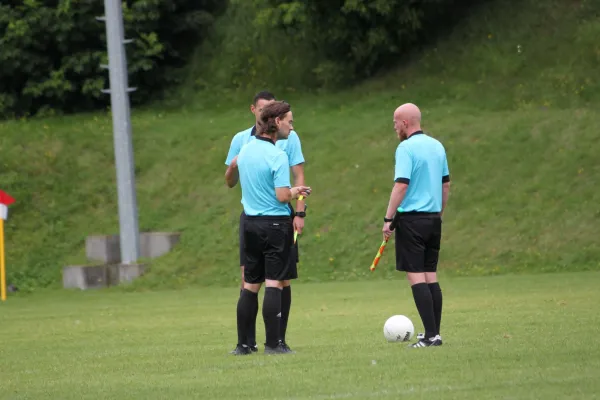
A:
{"x":294,"y":150}
{"x":445,"y":171}
{"x":234,"y":149}
{"x":404,"y":164}
{"x":281,"y":171}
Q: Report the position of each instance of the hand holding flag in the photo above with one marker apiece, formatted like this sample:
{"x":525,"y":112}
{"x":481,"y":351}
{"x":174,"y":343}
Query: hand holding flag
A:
{"x":296,"y":231}
{"x":385,"y":241}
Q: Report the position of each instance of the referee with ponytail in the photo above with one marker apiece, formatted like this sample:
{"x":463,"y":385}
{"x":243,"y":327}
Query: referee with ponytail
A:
{"x":264,"y":176}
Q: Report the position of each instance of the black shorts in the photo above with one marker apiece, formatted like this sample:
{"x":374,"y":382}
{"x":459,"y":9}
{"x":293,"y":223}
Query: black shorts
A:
{"x":294,"y":253}
{"x":418,"y":237}
{"x":268,"y":243}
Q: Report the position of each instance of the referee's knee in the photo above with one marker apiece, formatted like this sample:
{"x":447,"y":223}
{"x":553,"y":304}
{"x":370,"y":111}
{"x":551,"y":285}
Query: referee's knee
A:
{"x":252,"y":287}
{"x":275,"y":284}
{"x":416,"y":277}
{"x":431,"y":277}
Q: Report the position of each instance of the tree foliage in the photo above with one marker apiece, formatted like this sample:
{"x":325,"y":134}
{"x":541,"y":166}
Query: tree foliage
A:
{"x":52,"y":51}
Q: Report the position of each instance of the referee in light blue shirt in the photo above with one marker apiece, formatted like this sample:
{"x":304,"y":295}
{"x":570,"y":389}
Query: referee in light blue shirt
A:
{"x":264,"y":175}
{"x":292,"y":147}
{"x":417,"y":201}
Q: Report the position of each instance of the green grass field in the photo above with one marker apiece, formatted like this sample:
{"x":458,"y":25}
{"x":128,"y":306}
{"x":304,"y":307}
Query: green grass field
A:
{"x":512,"y":92}
{"x":511,"y":337}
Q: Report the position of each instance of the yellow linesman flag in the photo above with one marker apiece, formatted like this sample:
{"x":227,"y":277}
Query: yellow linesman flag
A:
{"x":5,"y":201}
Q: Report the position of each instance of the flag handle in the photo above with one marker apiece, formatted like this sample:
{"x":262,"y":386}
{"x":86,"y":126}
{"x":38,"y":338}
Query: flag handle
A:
{"x":2,"y":266}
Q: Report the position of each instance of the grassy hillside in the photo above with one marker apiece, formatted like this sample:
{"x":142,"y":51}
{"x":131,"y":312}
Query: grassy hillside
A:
{"x":519,"y":127}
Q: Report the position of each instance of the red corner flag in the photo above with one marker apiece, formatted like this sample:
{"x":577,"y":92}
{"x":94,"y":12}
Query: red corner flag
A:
{"x":5,"y":201}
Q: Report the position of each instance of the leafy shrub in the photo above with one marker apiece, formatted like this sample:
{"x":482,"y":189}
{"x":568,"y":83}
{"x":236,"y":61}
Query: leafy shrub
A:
{"x":52,"y":50}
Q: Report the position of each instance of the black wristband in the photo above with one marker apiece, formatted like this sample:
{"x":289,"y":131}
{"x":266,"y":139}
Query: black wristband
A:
{"x":385,"y":219}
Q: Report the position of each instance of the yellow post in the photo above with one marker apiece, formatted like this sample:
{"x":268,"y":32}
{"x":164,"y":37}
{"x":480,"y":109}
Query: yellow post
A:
{"x":2,"y":266}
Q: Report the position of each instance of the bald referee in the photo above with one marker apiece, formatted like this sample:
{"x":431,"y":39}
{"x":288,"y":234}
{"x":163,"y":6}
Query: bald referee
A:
{"x":420,"y":194}
{"x":264,"y":175}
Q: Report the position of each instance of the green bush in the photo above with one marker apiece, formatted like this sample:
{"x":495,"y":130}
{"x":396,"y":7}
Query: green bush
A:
{"x":52,"y":50}
{"x":356,"y":38}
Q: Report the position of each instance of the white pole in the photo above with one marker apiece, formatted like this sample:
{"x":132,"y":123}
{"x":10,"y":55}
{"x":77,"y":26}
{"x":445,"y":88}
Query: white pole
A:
{"x":119,"y":99}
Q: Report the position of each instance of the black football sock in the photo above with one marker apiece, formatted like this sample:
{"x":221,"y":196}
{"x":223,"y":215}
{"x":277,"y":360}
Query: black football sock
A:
{"x":271,"y":312}
{"x":436,"y":296}
{"x":286,"y":303}
{"x":252,"y":322}
{"x":424,"y":303}
{"x":244,"y":312}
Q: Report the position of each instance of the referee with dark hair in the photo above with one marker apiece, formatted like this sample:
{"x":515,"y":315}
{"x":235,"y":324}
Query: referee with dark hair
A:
{"x":419,"y":196}
{"x":293,"y":148}
{"x":264,"y":175}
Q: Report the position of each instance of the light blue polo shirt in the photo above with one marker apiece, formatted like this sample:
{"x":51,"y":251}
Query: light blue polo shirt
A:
{"x":262,"y":167}
{"x":421,"y":163}
{"x":291,"y":146}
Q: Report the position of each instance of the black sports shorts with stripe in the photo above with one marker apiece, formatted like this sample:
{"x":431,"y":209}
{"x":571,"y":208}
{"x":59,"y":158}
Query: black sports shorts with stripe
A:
{"x":268,"y":242}
{"x":417,"y":238}
{"x":295,"y":254}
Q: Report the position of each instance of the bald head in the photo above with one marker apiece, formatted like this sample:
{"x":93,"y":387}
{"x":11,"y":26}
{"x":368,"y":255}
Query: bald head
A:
{"x":407,"y":120}
{"x":408,"y":112}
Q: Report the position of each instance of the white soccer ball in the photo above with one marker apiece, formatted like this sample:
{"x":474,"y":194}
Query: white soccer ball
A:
{"x":398,"y":328}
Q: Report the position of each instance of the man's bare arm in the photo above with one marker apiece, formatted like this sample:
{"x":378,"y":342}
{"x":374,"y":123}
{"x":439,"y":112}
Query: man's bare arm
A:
{"x":232,"y":175}
{"x":298,"y":172}
{"x":396,"y":197}
{"x":286,"y":194}
{"x":445,"y":194}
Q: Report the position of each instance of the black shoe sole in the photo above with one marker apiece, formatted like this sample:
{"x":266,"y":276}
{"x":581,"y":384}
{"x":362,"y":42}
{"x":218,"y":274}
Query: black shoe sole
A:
{"x":276,"y":350}
{"x":238,"y":352}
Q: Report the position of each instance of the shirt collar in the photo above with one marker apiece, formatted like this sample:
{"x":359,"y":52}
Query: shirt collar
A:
{"x":416,"y":133}
{"x":253,"y":131}
{"x":265,"y":139}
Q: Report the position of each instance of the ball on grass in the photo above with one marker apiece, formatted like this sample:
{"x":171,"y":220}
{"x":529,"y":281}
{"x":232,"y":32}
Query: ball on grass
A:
{"x":398,"y":328}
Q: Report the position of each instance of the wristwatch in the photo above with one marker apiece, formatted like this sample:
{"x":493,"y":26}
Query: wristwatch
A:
{"x":385,"y":219}
{"x":302,"y":214}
